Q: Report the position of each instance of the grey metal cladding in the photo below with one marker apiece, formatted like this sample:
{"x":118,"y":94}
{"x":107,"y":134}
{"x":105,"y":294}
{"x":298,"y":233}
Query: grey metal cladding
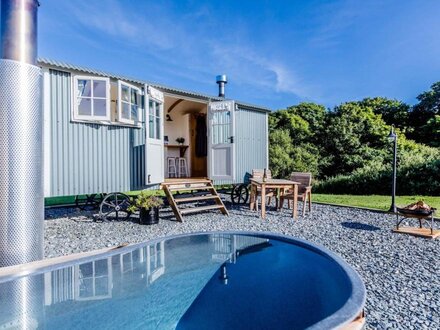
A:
{"x":90,"y":158}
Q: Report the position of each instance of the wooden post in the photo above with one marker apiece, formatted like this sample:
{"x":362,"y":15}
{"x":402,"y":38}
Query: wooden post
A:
{"x":263,"y":200}
{"x":252,"y":199}
{"x":295,"y":201}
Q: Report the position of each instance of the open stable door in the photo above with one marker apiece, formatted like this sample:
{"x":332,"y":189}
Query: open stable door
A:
{"x":154,"y":151}
{"x":221,"y":131}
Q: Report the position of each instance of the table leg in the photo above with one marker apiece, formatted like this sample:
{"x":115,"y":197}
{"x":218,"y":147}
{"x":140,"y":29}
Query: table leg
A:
{"x":281,"y":193}
{"x":263,"y":201}
{"x":295,"y":201}
{"x":252,"y":199}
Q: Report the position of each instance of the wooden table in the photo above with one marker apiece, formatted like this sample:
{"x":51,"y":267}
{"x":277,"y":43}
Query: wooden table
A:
{"x":182,"y":148}
{"x":278,"y":184}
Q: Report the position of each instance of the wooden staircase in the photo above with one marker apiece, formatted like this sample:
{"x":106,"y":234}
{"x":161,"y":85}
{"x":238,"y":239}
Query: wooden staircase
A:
{"x":197,"y":190}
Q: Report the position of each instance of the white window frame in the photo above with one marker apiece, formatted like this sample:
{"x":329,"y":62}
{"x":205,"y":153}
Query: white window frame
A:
{"x":160,"y":104}
{"x":76,"y":115}
{"x":79,"y":278}
{"x":130,"y":121}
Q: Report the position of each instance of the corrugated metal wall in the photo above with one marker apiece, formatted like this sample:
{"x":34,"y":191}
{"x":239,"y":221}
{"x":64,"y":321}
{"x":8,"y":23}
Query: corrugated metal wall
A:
{"x":90,"y":158}
{"x":251,"y":144}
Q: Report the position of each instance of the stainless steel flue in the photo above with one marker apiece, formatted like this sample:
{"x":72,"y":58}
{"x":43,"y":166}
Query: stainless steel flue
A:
{"x":222,"y":80}
{"x":21,"y":157}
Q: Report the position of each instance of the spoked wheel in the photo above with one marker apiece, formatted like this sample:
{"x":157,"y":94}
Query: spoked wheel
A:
{"x":114,"y":207}
{"x":89,"y":202}
{"x":240,"y":194}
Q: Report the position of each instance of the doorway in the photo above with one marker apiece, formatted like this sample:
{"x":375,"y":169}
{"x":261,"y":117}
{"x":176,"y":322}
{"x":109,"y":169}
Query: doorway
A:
{"x":185,"y":120}
{"x":199,"y":145}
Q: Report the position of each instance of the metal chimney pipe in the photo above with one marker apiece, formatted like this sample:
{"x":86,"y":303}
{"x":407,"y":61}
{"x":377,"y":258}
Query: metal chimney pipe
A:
{"x":222,"y":80}
{"x":19,"y":30}
{"x":21,"y":181}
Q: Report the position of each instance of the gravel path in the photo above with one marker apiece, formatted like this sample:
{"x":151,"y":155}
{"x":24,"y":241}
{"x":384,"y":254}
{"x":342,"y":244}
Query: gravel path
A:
{"x":401,"y":273}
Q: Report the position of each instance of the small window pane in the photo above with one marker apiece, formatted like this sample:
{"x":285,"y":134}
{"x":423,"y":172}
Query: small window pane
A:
{"x":125,"y":111}
{"x":134,"y":112}
{"x":99,"y":88}
{"x":157,"y":127}
{"x":86,"y":269}
{"x":151,"y":127}
{"x":101,"y":267}
{"x":101,"y":286}
{"x":125,"y":93}
{"x":86,"y":288}
{"x":99,"y":107}
{"x":84,"y":88}
{"x":84,"y":107}
{"x":151,"y":107}
{"x":157,"y":110}
{"x":134,"y":96}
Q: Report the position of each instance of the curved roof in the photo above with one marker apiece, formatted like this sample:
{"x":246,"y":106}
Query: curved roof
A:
{"x":167,"y":89}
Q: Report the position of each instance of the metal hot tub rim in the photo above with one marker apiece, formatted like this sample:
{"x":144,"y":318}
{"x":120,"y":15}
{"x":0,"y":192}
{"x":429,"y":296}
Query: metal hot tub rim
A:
{"x":352,"y":308}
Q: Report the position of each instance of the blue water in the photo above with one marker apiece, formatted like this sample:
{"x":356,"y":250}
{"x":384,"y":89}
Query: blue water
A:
{"x":216,"y":281}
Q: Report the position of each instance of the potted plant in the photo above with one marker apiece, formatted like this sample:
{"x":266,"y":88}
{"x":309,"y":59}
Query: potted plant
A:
{"x":180,"y":140}
{"x":146,"y":203}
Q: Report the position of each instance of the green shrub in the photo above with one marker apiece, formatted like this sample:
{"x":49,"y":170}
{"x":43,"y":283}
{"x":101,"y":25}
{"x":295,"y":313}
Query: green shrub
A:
{"x":415,"y":179}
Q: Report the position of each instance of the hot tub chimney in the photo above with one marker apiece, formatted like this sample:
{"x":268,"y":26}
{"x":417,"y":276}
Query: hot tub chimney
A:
{"x":21,"y":184}
{"x":222,"y":80}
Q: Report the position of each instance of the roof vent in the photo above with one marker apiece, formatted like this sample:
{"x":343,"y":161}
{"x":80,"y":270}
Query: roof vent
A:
{"x":222,"y":80}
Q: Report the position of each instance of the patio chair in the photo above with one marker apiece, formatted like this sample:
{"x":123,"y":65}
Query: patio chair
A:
{"x":258,"y":174}
{"x":304,"y":190}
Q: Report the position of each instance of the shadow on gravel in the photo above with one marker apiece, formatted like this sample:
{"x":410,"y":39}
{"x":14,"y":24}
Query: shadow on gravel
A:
{"x":360,"y":226}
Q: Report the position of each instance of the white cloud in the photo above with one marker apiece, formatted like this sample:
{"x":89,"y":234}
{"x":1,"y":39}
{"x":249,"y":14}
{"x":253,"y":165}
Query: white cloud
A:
{"x":122,"y":22}
{"x":188,"y":46}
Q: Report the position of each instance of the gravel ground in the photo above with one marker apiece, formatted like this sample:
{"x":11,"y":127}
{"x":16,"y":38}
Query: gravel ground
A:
{"x":401,"y":272}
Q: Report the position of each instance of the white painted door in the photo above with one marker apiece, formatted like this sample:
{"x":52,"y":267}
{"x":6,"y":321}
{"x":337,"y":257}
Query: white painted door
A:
{"x":154,"y":152}
{"x":221,"y":131}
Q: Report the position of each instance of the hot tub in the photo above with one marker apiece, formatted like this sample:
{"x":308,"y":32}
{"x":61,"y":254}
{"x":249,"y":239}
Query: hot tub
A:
{"x":217,"y":280}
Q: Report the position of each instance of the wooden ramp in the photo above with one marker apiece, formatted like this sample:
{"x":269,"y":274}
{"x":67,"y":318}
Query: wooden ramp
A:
{"x":181,"y":192}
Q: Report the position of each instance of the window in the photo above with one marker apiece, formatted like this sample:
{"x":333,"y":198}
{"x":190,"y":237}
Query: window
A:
{"x":91,"y":98}
{"x":154,"y":111}
{"x":221,"y":126}
{"x":129,"y":103}
{"x":93,"y":280}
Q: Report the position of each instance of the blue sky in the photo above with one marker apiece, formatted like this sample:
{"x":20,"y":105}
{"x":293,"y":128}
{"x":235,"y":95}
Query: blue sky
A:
{"x":275,"y":53}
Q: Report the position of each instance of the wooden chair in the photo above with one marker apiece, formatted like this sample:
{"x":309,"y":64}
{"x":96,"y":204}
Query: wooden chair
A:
{"x":304,"y":190}
{"x":258,"y":174}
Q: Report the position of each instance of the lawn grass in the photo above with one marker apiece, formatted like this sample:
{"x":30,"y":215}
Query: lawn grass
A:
{"x":374,"y":201}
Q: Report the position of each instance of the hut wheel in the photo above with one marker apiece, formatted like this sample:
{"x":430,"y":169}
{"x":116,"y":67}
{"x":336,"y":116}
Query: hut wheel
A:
{"x":114,"y":207}
{"x":240,"y":194}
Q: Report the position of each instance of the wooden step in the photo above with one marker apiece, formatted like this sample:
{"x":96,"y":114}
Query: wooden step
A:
{"x":171,"y":188}
{"x":207,"y":192}
{"x":201,"y":208}
{"x":195,"y":198}
{"x":185,"y":182}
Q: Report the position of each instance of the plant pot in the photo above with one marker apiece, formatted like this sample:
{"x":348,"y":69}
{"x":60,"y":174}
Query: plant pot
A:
{"x":148,"y":216}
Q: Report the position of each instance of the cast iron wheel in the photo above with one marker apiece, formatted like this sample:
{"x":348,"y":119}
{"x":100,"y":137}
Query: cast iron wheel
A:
{"x":114,"y":207}
{"x":89,"y":202}
{"x":240,"y":194}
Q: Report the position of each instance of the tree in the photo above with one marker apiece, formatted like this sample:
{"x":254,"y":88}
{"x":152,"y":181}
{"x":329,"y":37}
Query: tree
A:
{"x":431,"y":131}
{"x":424,"y":112}
{"x":280,"y":150}
{"x":393,"y":112}
{"x":292,"y":138}
{"x":314,"y":114}
{"x":354,"y":136}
